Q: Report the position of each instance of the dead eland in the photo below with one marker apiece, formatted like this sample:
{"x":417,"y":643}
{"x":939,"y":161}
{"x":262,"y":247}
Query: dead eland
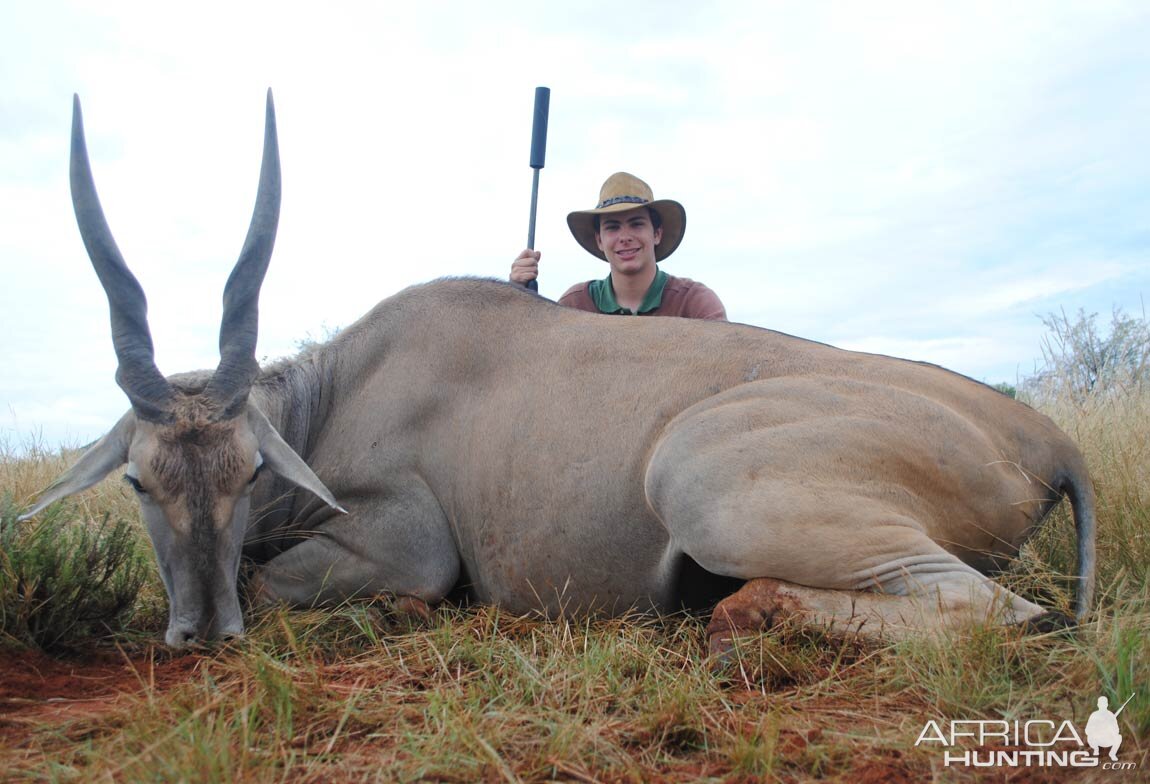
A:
{"x":468,"y":433}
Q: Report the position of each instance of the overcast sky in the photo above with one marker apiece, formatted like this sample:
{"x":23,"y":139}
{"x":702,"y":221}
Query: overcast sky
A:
{"x":918,"y":179}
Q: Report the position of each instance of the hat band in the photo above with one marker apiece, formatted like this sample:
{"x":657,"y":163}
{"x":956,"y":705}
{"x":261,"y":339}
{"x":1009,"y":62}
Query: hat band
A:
{"x":621,"y":200}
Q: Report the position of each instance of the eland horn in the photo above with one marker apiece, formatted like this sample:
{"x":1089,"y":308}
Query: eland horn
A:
{"x":137,"y":374}
{"x":238,"y":367}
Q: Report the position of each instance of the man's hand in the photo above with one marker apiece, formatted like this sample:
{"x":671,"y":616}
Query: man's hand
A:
{"x":525,"y":267}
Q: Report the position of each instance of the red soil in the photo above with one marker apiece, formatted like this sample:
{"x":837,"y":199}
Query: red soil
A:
{"x":35,"y":688}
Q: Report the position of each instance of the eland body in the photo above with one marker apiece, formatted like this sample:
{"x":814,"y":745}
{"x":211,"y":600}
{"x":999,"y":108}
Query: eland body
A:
{"x":546,"y":459}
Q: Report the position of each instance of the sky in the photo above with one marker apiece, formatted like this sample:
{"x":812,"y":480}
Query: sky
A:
{"x":919,"y":179}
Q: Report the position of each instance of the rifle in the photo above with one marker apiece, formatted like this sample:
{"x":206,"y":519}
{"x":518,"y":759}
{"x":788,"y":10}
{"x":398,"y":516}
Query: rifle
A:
{"x":538,"y":153}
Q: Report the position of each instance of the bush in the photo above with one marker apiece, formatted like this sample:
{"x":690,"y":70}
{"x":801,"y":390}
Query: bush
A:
{"x":1080,"y":362}
{"x":63,"y":581}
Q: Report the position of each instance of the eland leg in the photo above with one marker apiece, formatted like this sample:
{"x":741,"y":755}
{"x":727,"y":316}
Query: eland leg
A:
{"x":957,"y":601}
{"x":857,"y":501}
{"x":400,"y":546}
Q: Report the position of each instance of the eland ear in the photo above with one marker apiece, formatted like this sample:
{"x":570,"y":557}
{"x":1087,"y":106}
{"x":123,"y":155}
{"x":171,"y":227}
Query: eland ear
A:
{"x":282,"y":459}
{"x":101,"y":459}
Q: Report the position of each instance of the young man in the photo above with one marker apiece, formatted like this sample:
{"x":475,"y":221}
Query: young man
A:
{"x":632,"y":232}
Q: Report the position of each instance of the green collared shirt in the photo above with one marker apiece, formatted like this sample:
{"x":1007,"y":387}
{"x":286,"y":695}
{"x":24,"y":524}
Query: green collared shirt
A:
{"x":603,"y":294}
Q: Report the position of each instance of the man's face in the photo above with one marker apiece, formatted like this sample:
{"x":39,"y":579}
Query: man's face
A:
{"x":628,"y":239}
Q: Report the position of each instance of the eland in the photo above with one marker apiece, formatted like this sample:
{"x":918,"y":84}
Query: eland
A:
{"x":469,"y":435}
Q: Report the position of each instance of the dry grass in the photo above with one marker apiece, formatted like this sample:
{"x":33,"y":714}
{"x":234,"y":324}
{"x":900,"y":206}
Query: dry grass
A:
{"x":477,"y":695}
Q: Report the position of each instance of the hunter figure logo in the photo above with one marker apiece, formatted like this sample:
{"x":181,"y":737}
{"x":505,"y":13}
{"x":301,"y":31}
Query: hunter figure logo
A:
{"x":1031,"y":743}
{"x":1102,"y":728}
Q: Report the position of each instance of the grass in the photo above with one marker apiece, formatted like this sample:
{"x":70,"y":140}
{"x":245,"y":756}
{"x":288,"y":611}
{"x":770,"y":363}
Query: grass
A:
{"x":356,"y":694}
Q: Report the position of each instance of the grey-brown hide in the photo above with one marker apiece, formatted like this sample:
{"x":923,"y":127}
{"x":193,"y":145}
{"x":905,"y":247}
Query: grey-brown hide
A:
{"x":562,"y":461}
{"x":559,"y":460}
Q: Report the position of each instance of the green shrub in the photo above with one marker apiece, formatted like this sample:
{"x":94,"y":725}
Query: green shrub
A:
{"x":62,"y":580}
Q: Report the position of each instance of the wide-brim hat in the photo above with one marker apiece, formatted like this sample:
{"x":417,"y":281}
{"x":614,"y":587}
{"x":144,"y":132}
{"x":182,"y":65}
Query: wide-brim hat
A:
{"x":622,"y":192}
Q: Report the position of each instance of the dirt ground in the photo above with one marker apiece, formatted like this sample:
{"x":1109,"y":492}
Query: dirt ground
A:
{"x":36,"y":689}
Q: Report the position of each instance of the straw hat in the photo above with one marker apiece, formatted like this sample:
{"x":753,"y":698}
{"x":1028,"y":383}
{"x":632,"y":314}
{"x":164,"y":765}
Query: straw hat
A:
{"x":622,"y":192}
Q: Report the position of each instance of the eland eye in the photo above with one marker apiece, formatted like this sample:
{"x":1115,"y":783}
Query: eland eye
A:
{"x":135,"y":483}
{"x":256,"y":474}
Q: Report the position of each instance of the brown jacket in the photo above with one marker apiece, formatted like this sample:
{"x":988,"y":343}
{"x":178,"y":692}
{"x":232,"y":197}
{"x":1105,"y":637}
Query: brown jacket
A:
{"x":681,"y":297}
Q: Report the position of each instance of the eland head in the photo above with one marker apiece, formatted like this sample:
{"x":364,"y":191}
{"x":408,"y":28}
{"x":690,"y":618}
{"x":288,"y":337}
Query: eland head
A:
{"x":193,"y":449}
